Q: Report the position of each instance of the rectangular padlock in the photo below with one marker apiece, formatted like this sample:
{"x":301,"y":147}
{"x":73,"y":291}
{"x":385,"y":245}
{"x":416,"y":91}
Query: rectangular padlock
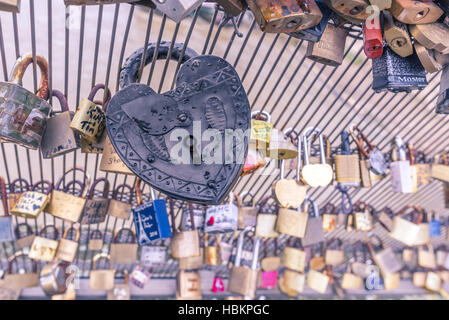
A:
{"x":372,"y":37}
{"x":314,"y":34}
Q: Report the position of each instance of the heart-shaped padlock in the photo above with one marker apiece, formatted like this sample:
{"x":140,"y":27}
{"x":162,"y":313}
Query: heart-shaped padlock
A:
{"x":159,"y":136}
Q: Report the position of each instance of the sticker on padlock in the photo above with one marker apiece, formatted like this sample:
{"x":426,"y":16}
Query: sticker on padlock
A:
{"x":139,"y":276}
{"x":222,"y":218}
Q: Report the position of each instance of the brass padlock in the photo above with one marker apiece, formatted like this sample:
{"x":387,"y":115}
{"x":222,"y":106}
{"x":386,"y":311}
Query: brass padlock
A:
{"x":124,"y":247}
{"x":95,"y":240}
{"x":270,"y":263}
{"x":385,"y":258}
{"x":22,"y":273}
{"x":330,"y":49}
{"x":67,"y":248}
{"x":23,"y":114}
{"x":24,"y":235}
{"x":121,"y":291}
{"x":59,"y":138}
{"x":403,"y":230}
{"x":415,"y":12}
{"x":351,"y":281}
{"x":381,"y":4}
{"x":233,"y":7}
{"x":353,"y":8}
{"x":192,"y":263}
{"x":427,"y":258}
{"x":281,"y":146}
{"x":110,"y":161}
{"x":266,"y":218}
{"x":188,"y":285}
{"x":43,"y":248}
{"x":261,"y":128}
{"x":285,"y":15}
{"x":432,"y":36}
{"x":16,"y":188}
{"x":316,"y":261}
{"x":10,"y":5}
{"x":31,"y":203}
{"x":67,"y":206}
{"x":118,"y":208}
{"x":334,"y":256}
{"x":101,"y":279}
{"x":329,"y":217}
{"x":293,"y":222}
{"x":427,"y":58}
{"x":347,"y":166}
{"x":363,"y":218}
{"x":419,"y":164}
{"x":294,"y":258}
{"x":243,"y":280}
{"x":185,"y":244}
{"x":397,"y":36}
{"x":212,"y":255}
{"x":89,"y":118}
{"x":317,"y":281}
{"x":292,"y":283}
{"x":247,"y":211}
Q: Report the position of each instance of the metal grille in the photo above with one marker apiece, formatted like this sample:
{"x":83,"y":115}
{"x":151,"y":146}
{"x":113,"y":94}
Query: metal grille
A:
{"x":275,"y":73}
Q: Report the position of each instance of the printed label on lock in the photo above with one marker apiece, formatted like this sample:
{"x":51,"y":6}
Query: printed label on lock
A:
{"x":261,"y":131}
{"x":30,"y":204}
{"x":221,"y":219}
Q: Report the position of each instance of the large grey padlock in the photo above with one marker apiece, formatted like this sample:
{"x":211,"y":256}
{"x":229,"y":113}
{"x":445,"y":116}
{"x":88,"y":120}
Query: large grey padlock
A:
{"x":177,"y":9}
{"x":222,"y":218}
{"x":314,"y":229}
{"x":401,"y":177}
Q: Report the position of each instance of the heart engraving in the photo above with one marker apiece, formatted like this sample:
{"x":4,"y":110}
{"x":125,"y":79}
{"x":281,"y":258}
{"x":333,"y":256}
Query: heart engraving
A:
{"x":177,"y":141}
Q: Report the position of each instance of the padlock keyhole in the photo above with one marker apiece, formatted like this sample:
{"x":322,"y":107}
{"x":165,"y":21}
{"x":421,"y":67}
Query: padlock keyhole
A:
{"x":420,"y":15}
{"x":356,"y":10}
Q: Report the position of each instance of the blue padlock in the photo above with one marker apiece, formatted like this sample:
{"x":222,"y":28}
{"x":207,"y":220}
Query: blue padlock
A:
{"x":151,"y":220}
{"x":434,"y":227}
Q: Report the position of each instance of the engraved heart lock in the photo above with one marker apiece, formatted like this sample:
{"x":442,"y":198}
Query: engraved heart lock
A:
{"x":290,"y":193}
{"x":320,"y":174}
{"x":159,"y":136}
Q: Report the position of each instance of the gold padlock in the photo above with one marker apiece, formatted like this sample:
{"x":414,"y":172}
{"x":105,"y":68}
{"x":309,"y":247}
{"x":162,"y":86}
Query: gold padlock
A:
{"x":212,"y":255}
{"x":89,"y":118}
{"x":261,"y":128}
{"x":292,"y":282}
{"x":23,"y":241}
{"x":352,"y":8}
{"x":427,"y":258}
{"x":330,"y":49}
{"x":335,"y":256}
{"x":20,"y":278}
{"x":397,"y":36}
{"x":432,"y":35}
{"x":44,"y":248}
{"x":317,"y":281}
{"x":95,"y":240}
{"x":192,"y":263}
{"x":120,"y":291}
{"x":270,"y":263}
{"x":363,"y":218}
{"x":234,"y":7}
{"x":67,"y":206}
{"x":281,"y":146}
{"x":67,"y":249}
{"x":247,"y":211}
{"x":10,"y":5}
{"x":285,"y":15}
{"x":381,"y":4}
{"x":188,"y":285}
{"x":120,"y":209}
{"x":294,"y":258}
{"x":101,"y":279}
{"x":110,"y":161}
{"x":185,"y":244}
{"x":292,"y":222}
{"x":415,"y":12}
{"x":427,"y":58}
{"x":124,"y":247}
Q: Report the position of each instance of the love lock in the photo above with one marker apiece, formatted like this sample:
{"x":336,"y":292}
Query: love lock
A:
{"x":148,"y":130}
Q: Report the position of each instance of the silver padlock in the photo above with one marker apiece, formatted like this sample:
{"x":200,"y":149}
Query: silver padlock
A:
{"x":401,"y":175}
{"x":222,"y":218}
{"x":177,"y":9}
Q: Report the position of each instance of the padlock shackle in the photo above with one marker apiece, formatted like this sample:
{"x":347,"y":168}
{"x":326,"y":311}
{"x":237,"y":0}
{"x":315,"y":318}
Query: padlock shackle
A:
{"x":69,"y":185}
{"x":244,"y":194}
{"x":238,"y":255}
{"x":94,"y":232}
{"x":133,"y":65}
{"x":95,"y":90}
{"x":411,"y":153}
{"x":305,"y":207}
{"x":17,"y":230}
{"x":43,"y":182}
{"x":332,"y":240}
{"x":12,"y":185}
{"x":55,"y":231}
{"x":345,"y":143}
{"x":18,"y":70}
{"x":20,"y":254}
{"x":99,"y":256}
{"x":363,"y":139}
{"x":307,"y":133}
{"x":86,"y":177}
{"x":401,"y":148}
{"x":77,"y":232}
{"x":256,"y":115}
{"x":91,"y":193}
{"x":123,"y":186}
{"x":4,"y":197}
{"x":192,"y":216}
{"x":346,"y":209}
{"x":62,"y":100}
{"x":117,"y":233}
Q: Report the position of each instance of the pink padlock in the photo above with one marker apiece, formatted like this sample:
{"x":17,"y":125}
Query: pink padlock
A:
{"x":269,"y":279}
{"x":218,"y":285}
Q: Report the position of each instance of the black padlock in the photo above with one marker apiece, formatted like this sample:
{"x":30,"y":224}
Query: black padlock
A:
{"x":396,"y":74}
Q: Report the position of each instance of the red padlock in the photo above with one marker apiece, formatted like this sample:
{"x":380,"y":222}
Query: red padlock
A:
{"x":372,"y":37}
{"x":218,"y":285}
